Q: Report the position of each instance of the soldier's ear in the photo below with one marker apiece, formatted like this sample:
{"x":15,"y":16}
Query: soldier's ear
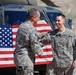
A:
{"x":64,"y":21}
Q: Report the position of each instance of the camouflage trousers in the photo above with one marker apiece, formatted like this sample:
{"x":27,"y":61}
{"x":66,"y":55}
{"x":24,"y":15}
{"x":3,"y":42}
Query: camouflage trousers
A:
{"x":24,"y":71}
{"x":59,"y":71}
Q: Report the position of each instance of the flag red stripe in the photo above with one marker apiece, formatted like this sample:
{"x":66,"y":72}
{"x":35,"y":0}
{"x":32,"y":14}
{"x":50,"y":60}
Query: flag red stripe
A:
{"x":44,"y":30}
{"x":6,"y":52}
{"x":7,"y":65}
{"x":14,"y":39}
{"x":44,"y":56}
{"x":47,"y":49}
{"x":6,"y":59}
{"x":40,"y":63}
{"x":15,"y":26}
{"x":14,"y":46}
{"x":40,"y":25}
{"x":14,"y":33}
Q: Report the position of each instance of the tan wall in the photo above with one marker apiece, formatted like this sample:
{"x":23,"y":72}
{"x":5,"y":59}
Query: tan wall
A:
{"x":68,"y":7}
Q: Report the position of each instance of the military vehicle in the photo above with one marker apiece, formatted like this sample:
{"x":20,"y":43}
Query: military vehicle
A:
{"x":14,"y":12}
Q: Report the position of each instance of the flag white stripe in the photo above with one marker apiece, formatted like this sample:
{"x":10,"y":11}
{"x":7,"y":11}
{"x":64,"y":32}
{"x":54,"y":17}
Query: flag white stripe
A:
{"x":14,"y":42}
{"x":46,"y":53}
{"x":43,"y":28}
{"x":14,"y":36}
{"x":47,"y":46}
{"x":6,"y":55}
{"x":43,"y":59}
{"x":7,"y":49}
{"x":6,"y":62}
{"x":38,"y":28}
{"x":14,"y":29}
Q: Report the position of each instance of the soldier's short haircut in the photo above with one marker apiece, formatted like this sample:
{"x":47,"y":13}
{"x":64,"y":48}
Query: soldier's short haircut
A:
{"x":32,"y":12}
{"x":61,"y":14}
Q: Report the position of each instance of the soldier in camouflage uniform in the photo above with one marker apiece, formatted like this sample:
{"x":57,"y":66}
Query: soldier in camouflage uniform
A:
{"x":27,"y":44}
{"x":63,"y":43}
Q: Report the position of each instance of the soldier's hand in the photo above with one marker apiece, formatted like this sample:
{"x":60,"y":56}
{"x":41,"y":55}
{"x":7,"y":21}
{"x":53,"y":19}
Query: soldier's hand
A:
{"x":74,"y":64}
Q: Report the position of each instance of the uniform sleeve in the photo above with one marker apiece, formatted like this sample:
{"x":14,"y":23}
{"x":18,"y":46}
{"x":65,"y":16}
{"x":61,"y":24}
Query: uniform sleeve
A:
{"x":74,"y":44}
{"x":34,"y":42}
{"x":40,"y":35}
{"x":74,"y":47}
{"x":46,"y":38}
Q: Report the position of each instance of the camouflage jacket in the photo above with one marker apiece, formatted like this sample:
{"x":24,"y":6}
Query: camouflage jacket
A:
{"x":63,"y":44}
{"x":27,"y":44}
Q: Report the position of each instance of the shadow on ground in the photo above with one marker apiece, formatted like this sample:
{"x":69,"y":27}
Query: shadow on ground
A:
{"x":7,"y":71}
{"x":12,"y":71}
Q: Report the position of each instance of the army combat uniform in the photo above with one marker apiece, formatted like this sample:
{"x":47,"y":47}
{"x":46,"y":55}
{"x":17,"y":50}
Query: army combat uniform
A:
{"x":26,"y":46}
{"x":63,"y":44}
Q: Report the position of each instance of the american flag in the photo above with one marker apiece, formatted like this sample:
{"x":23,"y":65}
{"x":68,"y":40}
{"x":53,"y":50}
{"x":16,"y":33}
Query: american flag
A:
{"x":7,"y":45}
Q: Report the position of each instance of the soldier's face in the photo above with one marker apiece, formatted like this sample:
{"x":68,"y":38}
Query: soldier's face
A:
{"x":60,"y":22}
{"x":36,"y":18}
